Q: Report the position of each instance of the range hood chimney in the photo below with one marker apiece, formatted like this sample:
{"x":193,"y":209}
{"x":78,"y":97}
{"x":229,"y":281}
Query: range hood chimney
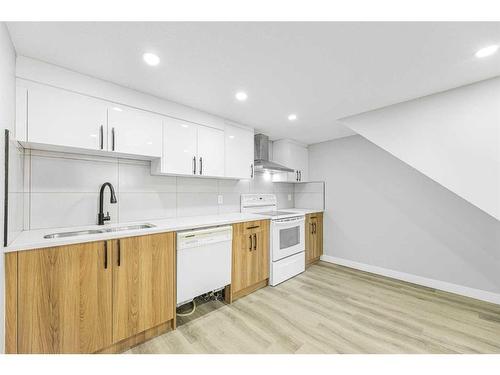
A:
{"x":261,"y":152}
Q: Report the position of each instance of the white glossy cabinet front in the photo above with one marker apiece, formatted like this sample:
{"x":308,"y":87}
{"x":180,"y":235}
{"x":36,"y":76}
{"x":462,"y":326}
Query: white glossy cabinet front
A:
{"x":291,"y":155}
{"x":191,"y":149}
{"x":134,"y":132}
{"x":210,"y":152}
{"x":239,"y":152}
{"x":179,"y":147}
{"x":62,"y":118}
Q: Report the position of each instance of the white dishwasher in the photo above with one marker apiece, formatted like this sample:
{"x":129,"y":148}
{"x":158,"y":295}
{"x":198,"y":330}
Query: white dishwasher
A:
{"x":203,"y":261}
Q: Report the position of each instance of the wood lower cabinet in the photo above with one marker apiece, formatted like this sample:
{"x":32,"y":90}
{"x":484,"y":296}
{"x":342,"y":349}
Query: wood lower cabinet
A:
{"x":64,"y":299}
{"x":250,"y":268}
{"x":143,"y":276}
{"x":314,"y":237}
{"x":90,"y":297}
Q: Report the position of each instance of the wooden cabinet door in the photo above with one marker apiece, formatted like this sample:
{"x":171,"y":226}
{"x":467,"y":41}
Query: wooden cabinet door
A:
{"x":242,"y":267}
{"x":143,"y":283}
{"x":261,"y":253}
{"x":64,"y":299}
{"x":250,"y":254}
{"x":318,"y":236}
{"x":134,"y":132}
{"x":62,"y":118}
{"x":310,"y":238}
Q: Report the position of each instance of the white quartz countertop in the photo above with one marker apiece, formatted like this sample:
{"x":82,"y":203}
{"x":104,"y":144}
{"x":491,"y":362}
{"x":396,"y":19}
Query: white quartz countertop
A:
{"x":34,"y":239}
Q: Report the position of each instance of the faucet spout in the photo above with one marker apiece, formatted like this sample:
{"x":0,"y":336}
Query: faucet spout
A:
{"x":100,"y":216}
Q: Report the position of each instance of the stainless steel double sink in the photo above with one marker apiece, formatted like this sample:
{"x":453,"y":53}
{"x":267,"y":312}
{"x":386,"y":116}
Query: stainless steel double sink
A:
{"x":98,"y":231}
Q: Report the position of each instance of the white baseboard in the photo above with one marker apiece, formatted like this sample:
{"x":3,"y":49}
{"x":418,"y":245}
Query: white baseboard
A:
{"x":431,"y":283}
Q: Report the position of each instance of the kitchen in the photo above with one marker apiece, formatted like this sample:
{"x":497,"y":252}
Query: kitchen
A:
{"x":155,"y":202}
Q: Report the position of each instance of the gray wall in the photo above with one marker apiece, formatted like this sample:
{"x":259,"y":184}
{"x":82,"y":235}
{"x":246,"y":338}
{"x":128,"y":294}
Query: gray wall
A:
{"x":382,"y":212}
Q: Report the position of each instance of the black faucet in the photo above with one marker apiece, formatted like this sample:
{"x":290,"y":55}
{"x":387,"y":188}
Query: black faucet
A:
{"x":100,"y":216}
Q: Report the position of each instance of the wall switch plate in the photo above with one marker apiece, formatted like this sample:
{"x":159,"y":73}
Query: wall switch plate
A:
{"x":220,"y":199}
{"x":289,"y":197}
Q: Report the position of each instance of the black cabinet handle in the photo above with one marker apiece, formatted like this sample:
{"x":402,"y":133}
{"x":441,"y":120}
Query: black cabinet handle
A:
{"x":255,"y":243}
{"x":102,"y":137}
{"x":194,"y":164}
{"x":201,"y":165}
{"x":119,"y":254}
{"x":251,"y":170}
{"x":296,"y":175}
{"x":300,"y":175}
{"x":253,"y":227}
{"x":105,"y":255}
{"x":112,"y":139}
{"x":251,"y":243}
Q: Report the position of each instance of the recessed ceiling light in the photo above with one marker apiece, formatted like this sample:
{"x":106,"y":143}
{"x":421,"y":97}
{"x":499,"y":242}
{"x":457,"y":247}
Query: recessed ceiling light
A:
{"x":241,"y":96}
{"x":292,"y":117}
{"x":151,"y":59}
{"x":487,"y":51}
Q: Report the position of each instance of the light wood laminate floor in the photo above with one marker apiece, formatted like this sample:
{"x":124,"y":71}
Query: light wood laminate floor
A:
{"x":334,"y":309}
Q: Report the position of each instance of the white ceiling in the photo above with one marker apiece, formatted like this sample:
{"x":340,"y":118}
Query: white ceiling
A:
{"x":320,"y":71}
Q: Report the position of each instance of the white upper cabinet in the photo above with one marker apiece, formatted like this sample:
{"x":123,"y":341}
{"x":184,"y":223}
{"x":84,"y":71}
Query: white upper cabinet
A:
{"x":62,"y":118}
{"x":134,"y":132}
{"x":239,"y":155}
{"x":179,"y":147}
{"x":190,"y":149}
{"x":293,"y":155}
{"x":210,"y":152}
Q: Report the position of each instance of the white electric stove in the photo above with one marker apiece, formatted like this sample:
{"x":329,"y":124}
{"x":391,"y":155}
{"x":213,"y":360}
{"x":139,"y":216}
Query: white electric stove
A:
{"x":287,"y":239}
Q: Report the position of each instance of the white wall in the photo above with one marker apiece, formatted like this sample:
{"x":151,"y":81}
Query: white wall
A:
{"x":63,"y":191}
{"x":7,"y":119}
{"x":453,"y":137}
{"x":383,"y":214}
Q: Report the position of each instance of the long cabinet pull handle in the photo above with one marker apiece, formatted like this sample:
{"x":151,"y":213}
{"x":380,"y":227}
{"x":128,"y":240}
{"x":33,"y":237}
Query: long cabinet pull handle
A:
{"x":194,"y":164}
{"x":101,"y":133}
{"x":201,"y":165}
{"x":296,"y":175}
{"x":253,"y":227}
{"x":255,"y":241}
{"x":251,"y":170}
{"x":119,"y":254}
{"x":300,"y":175}
{"x":105,"y":255}
{"x":112,"y":139}
{"x":251,"y":242}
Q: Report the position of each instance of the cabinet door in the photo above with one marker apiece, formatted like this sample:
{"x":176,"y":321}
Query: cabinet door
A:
{"x":210,"y":152}
{"x":135,"y":132}
{"x":261,"y":253}
{"x":242,"y":269}
{"x":318,"y":234}
{"x":64,"y":299}
{"x":62,"y":118}
{"x":310,"y":242}
{"x":143,"y":283}
{"x":302,"y":162}
{"x":239,"y":149}
{"x":179,"y":147}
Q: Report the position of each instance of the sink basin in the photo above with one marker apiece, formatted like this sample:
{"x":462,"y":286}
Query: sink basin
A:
{"x":97,"y":231}
{"x":130,"y":227}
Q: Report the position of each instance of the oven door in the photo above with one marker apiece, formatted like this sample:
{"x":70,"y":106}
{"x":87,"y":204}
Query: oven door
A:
{"x":287,"y":237}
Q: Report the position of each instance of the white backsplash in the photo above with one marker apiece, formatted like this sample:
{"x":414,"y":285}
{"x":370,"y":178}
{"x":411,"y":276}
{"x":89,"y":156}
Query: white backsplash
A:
{"x":63,"y":191}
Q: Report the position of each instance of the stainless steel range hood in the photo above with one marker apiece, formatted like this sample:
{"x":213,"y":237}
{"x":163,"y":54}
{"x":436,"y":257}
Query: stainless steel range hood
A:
{"x":261,"y":152}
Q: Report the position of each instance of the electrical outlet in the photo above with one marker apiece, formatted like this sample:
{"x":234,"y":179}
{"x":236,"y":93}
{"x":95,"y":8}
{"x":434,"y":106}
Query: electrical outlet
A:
{"x":220,"y":199}
{"x":289,"y":197}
